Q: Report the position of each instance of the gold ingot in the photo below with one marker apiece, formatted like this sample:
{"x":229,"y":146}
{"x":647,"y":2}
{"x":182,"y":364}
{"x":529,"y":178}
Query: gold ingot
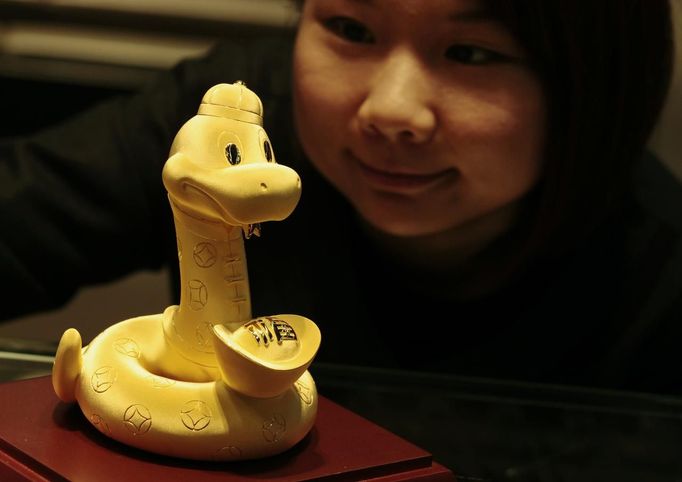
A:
{"x":260,"y":362}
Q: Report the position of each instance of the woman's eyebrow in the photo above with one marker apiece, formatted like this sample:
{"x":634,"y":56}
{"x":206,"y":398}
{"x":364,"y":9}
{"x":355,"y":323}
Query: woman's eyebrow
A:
{"x":474,"y":14}
{"x":470,"y":14}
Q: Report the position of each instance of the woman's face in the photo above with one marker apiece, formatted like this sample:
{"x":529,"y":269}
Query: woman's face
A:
{"x":423,"y":113}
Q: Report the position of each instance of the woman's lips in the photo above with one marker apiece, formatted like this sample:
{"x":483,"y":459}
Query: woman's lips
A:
{"x":400,"y":182}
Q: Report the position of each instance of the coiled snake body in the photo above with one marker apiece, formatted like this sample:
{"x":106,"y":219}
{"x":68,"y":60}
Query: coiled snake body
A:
{"x":203,"y":380}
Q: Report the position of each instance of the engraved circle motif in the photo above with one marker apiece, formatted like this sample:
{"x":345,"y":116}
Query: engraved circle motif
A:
{"x":103,"y":378}
{"x":229,"y":452}
{"x":195,"y":415}
{"x":198,"y":295}
{"x":160,"y":382}
{"x":205,"y":254}
{"x":304,"y":392}
{"x":127,"y":347}
{"x":137,"y":419}
{"x":274,"y":428}
{"x":203,"y":336}
{"x":100,"y":424}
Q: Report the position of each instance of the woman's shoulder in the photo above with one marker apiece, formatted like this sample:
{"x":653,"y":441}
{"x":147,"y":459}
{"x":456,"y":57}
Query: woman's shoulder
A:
{"x":654,"y":234}
{"x":658,"y":191}
{"x":654,"y":221}
{"x":653,"y":294}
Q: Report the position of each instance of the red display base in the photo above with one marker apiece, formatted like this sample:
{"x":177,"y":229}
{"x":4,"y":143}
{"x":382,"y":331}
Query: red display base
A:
{"x":42,"y":438}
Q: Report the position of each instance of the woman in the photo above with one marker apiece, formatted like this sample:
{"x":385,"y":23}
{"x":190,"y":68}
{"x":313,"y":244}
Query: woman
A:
{"x":472,"y":201}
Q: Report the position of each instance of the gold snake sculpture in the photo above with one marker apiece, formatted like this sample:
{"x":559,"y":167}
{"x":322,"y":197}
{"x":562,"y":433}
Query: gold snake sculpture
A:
{"x":203,"y":380}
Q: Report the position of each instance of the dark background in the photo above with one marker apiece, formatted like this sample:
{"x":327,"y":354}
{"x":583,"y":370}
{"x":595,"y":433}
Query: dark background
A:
{"x":58,"y":59}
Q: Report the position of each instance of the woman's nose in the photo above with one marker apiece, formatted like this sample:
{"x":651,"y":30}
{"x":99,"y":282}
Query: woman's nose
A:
{"x":398,"y":105}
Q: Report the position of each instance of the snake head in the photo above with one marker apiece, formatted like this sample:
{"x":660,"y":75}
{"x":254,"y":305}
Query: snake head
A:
{"x":222,"y":166}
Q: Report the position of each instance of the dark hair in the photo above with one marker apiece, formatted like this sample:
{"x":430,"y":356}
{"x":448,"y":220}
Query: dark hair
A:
{"x":606,"y":68}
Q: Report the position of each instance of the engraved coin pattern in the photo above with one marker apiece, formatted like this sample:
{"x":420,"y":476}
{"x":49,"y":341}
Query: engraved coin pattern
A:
{"x":274,"y":428}
{"x":195,"y":415}
{"x":304,"y":392}
{"x":228,"y":452}
{"x":205,"y":255}
{"x":203,"y":337}
{"x":127,"y":347}
{"x":161,"y":382}
{"x":100,"y":424}
{"x":198,"y":295}
{"x":103,"y":378}
{"x":137,"y":419}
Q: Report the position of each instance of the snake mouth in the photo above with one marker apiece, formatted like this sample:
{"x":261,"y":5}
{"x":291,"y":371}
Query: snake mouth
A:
{"x":210,"y":208}
{"x":195,"y":202}
{"x":242,"y":197}
{"x":216,"y":213}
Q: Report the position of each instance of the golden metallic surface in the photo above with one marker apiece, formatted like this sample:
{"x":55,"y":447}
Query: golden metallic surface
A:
{"x":177,"y":383}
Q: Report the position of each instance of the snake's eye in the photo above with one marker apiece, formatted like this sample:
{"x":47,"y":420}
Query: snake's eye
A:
{"x":268,"y":151}
{"x":232,"y":154}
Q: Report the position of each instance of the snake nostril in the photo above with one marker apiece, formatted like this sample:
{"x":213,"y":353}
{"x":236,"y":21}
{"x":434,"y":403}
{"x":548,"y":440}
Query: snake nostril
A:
{"x":263,"y":186}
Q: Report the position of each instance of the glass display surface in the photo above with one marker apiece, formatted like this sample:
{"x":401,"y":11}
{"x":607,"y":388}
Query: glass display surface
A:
{"x":484,"y":429}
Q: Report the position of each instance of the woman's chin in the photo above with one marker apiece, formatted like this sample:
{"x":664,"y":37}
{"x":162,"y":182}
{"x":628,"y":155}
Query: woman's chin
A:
{"x":402,"y":226}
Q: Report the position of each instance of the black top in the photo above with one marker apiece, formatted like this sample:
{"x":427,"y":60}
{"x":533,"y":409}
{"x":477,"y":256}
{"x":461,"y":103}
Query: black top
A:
{"x":83,"y":202}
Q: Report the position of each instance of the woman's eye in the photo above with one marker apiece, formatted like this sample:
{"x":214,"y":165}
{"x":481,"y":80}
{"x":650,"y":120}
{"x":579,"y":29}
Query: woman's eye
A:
{"x":349,"y":29}
{"x":469,"y":54}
